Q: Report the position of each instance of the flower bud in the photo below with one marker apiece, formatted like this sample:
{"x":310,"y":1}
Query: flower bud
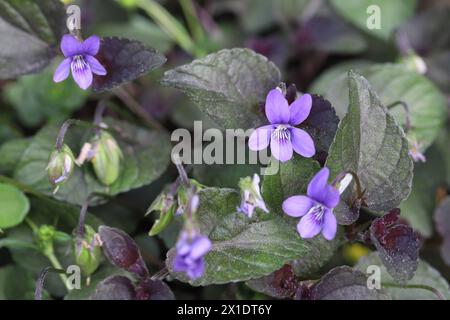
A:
{"x":251,"y":197}
{"x":60,"y":166}
{"x":107,"y":158}
{"x":165,"y":204}
{"x":88,"y":252}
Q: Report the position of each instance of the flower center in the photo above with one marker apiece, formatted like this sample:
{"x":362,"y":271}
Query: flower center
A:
{"x":317,"y":211}
{"x":282,"y":133}
{"x":79,"y":63}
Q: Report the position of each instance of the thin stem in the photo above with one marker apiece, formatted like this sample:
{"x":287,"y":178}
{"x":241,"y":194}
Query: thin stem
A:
{"x":183,"y":175}
{"x":62,"y":132}
{"x":136,"y":108}
{"x":41,"y":279}
{"x":436,"y":292}
{"x":169,"y":24}
{"x":192,"y":19}
{"x":55,"y":263}
{"x":407,"y":113}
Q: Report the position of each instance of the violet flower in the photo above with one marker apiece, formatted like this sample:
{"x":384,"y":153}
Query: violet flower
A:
{"x":80,"y":59}
{"x":251,"y":196}
{"x":315,"y":208}
{"x":281,"y":134}
{"x":190,"y":252}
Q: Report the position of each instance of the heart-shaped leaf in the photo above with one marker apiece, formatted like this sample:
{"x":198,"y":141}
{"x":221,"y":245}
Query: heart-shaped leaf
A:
{"x":426,"y":284}
{"x":228,"y":86}
{"x":125,"y":60}
{"x":371,"y":144}
{"x":344,"y":283}
{"x":31,"y":30}
{"x":393,"y":82}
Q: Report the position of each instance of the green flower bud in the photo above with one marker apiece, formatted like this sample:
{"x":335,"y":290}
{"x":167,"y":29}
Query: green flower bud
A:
{"x":60,"y":166}
{"x":88,"y":252}
{"x":107,"y":158}
{"x":414,"y":62}
{"x":165,"y":204}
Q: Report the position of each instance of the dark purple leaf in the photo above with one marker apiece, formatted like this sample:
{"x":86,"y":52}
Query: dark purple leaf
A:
{"x":344,"y":283}
{"x":442,"y":222}
{"x":321,"y":123}
{"x":124,"y":60}
{"x":149,"y":289}
{"x":122,"y":251}
{"x":280,"y":284}
{"x":397,"y":245}
{"x":30,"y":31}
{"x":115,"y":288}
{"x":330,"y":34}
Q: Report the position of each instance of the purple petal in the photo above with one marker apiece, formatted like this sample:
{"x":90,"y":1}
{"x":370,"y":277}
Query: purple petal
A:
{"x":302,"y":143}
{"x":281,"y":150}
{"x":63,"y":70}
{"x":70,"y":46}
{"x":308,"y":226}
{"x":91,"y":45}
{"x":297,"y":206}
{"x":95,"y":65}
{"x":260,"y":138}
{"x":318,"y":184}
{"x":81,"y":73}
{"x":200,"y":247}
{"x":300,"y":109}
{"x":179,"y":265}
{"x":196,"y":271}
{"x":329,"y":225}
{"x":277,"y":108}
{"x":330,"y":197}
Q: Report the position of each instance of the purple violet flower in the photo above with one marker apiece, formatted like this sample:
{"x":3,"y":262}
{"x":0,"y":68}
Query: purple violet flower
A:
{"x":315,"y":208}
{"x":80,"y":59}
{"x":190,"y":251}
{"x":281,"y":134}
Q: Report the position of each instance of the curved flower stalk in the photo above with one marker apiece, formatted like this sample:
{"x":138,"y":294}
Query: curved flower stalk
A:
{"x":315,"y":208}
{"x":282,"y":135}
{"x":79,"y":57}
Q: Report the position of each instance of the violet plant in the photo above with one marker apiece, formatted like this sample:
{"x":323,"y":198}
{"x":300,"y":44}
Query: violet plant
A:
{"x":106,"y":172}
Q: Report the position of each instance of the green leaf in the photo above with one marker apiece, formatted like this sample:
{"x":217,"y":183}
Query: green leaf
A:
{"x":11,"y":152}
{"x":15,"y":206}
{"x":36,"y":98}
{"x":246,"y":248}
{"x":31,"y":29}
{"x":393,"y":82}
{"x":391,"y":14}
{"x":425,"y":275}
{"x":146,"y":156}
{"x":16,"y":283}
{"x":370,"y":143}
{"x":292,"y":179}
{"x":418,"y":208}
{"x":228,"y":85}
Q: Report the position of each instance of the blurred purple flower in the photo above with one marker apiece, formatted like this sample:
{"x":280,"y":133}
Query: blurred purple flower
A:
{"x":281,"y":134}
{"x":414,"y":152}
{"x":190,"y":251}
{"x":80,"y":58}
{"x":316,"y":208}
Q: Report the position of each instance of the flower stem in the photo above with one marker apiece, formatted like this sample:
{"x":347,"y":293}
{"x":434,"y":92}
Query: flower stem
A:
{"x":436,"y":292}
{"x":169,"y":24}
{"x":407,"y":113}
{"x":55,"y":263}
{"x":136,"y":108}
{"x":195,"y":27}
